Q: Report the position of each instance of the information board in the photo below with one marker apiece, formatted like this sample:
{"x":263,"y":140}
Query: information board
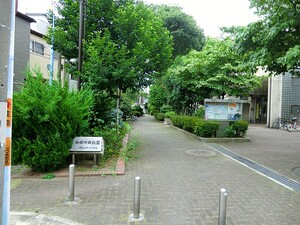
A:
{"x":88,"y":144}
{"x":223,"y":110}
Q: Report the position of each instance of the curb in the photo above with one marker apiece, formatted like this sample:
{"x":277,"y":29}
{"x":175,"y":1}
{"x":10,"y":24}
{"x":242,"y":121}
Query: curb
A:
{"x":26,"y":218}
{"x":119,"y":169}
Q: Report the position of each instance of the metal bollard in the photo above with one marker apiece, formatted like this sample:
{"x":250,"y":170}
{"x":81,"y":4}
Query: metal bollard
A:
{"x":137,"y":198}
{"x":136,"y":215}
{"x":222,"y":206}
{"x":71,"y":183}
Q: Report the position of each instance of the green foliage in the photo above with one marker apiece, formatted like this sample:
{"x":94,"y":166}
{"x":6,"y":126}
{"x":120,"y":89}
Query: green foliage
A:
{"x":207,"y":128}
{"x":240,"y":127}
{"x":200,"y":127}
{"x":138,"y":108}
{"x":186,"y":34}
{"x":213,"y":71}
{"x":112,"y":139}
{"x":48,"y":176}
{"x":185,"y":122}
{"x":157,"y":97}
{"x":200,"y":112}
{"x":136,"y":113}
{"x":46,"y":119}
{"x":126,"y":45}
{"x":229,"y":132}
{"x":169,"y":114}
{"x":160,"y":116}
{"x":130,"y":152}
{"x":273,"y":41}
{"x":165,"y":108}
{"x":153,"y":112}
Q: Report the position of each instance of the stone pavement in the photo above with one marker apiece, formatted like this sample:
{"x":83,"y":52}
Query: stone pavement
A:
{"x":181,"y":179}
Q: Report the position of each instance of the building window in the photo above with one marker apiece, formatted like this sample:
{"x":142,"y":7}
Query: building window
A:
{"x":37,"y":47}
{"x":295,"y":110}
{"x":296,"y":81}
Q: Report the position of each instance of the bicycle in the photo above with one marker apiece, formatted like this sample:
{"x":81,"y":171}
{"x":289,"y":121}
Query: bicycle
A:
{"x":280,"y":123}
{"x":293,"y":125}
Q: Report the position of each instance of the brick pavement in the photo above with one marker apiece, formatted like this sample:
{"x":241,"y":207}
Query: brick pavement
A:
{"x":181,"y":179}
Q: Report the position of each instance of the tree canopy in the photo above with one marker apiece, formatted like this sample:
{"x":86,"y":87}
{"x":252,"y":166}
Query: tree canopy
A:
{"x":186,"y":34}
{"x":215,"y":70}
{"x":273,"y":42}
{"x":125,"y":45}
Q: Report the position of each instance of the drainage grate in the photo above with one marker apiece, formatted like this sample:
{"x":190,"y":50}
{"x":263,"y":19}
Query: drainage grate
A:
{"x":278,"y":178}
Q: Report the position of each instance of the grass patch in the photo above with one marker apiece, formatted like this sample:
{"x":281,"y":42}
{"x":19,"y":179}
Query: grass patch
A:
{"x":131,"y":151}
{"x":48,"y":176}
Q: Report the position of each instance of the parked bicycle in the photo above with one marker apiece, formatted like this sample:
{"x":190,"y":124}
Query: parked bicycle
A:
{"x":280,"y":124}
{"x":293,"y":125}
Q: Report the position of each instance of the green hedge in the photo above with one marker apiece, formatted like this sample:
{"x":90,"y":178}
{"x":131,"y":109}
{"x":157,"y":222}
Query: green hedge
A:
{"x":46,"y":118}
{"x":207,"y":128}
{"x":159,"y":116}
{"x":200,"y":127}
{"x":184,"y":122}
{"x":240,"y":127}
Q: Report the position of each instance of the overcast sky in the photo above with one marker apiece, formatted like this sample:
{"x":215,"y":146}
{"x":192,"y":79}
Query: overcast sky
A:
{"x":209,"y":14}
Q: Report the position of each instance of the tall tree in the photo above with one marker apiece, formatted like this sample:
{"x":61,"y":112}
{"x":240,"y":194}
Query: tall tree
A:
{"x":215,"y":70}
{"x":140,"y":45}
{"x":273,"y":42}
{"x":186,"y":34}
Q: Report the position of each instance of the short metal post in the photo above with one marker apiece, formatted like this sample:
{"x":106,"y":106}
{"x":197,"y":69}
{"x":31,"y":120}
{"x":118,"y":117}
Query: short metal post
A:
{"x":137,"y":215}
{"x":95,"y":160}
{"x":71,"y":182}
{"x":137,"y":197}
{"x":222,"y":206}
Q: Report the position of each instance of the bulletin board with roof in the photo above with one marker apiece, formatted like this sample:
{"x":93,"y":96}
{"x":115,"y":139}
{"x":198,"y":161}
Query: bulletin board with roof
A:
{"x":224,"y":109}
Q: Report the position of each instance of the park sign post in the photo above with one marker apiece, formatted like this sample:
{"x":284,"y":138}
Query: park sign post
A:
{"x":7,"y":40}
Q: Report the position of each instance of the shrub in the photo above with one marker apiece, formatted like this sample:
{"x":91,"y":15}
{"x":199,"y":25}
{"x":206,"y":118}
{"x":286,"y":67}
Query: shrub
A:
{"x":166,"y":108}
{"x":177,"y":120}
{"x":200,"y":112}
{"x":154,"y":112}
{"x":46,"y":119}
{"x":185,"y":122}
{"x":136,"y":113}
{"x":160,"y":116}
{"x":206,"y":128}
{"x":112,"y":139}
{"x":240,"y":127}
{"x":169,"y":114}
{"x":138,"y":108}
{"x":229,"y":132}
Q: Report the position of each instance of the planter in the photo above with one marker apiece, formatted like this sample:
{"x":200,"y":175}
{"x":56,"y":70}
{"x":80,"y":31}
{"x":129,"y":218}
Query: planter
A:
{"x":167,"y":121}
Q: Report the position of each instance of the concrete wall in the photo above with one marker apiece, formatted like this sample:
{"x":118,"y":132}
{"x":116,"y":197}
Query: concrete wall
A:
{"x":22,"y":37}
{"x":275,"y":87}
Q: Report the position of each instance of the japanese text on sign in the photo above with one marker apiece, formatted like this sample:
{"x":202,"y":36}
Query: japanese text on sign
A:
{"x":7,"y":151}
{"x":9,"y":113}
{"x":88,"y":144}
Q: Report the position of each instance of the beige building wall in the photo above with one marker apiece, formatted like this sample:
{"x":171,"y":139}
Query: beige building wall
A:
{"x":40,"y":56}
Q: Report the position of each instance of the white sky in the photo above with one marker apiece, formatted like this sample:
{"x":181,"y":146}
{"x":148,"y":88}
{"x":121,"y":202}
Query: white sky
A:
{"x":209,"y":14}
{"x":212,"y":14}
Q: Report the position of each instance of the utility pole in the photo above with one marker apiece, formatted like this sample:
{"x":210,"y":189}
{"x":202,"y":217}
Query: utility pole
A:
{"x":7,"y":40}
{"x":80,"y":43}
{"x":52,"y":47}
{"x":82,"y":18}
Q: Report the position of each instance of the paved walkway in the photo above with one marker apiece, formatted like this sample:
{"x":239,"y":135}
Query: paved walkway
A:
{"x":181,"y":179}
